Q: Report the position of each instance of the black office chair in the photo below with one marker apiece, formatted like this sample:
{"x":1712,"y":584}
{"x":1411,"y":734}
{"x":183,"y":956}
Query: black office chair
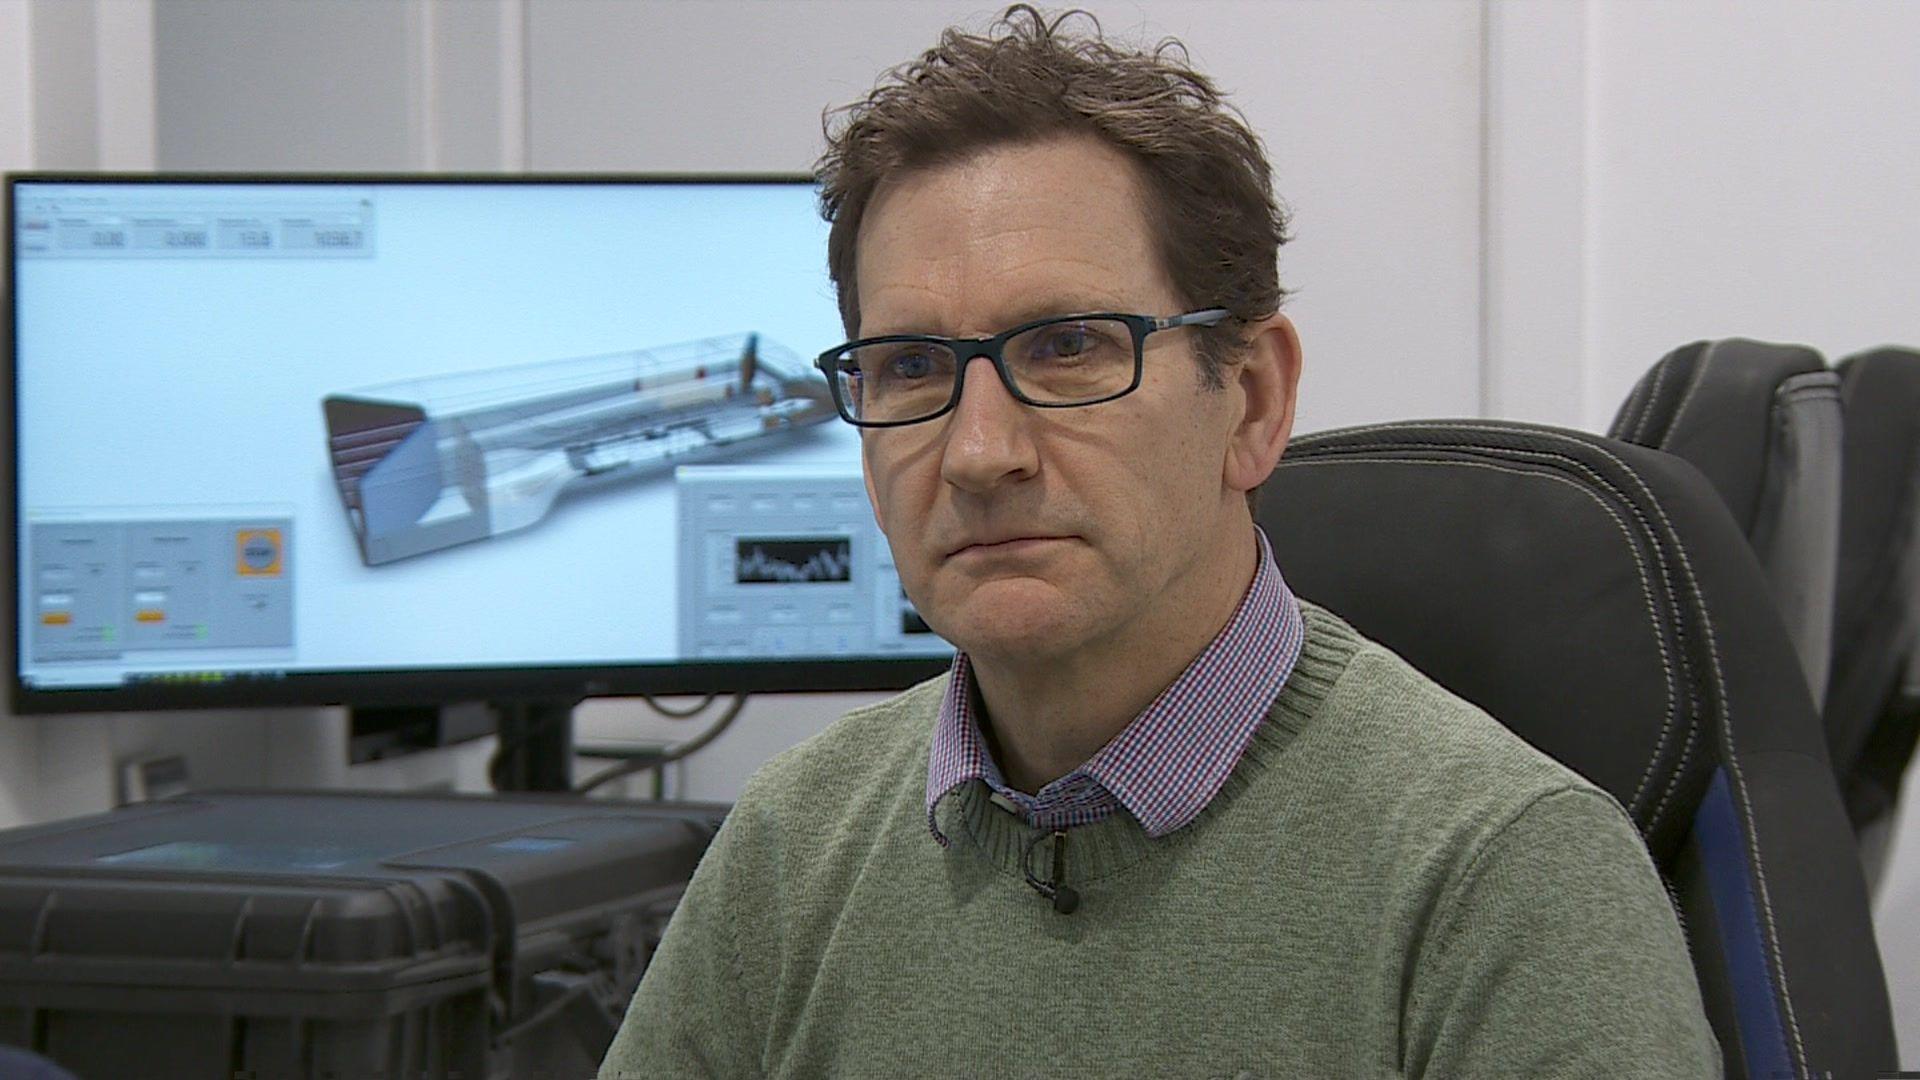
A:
{"x":1873,"y":699}
{"x":1763,"y":422}
{"x":1598,"y":599}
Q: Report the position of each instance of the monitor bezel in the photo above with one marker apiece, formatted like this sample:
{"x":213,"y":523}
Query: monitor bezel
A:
{"x":381,"y":687}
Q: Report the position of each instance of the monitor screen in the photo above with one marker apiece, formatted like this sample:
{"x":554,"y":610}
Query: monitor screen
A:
{"x":366,"y":440}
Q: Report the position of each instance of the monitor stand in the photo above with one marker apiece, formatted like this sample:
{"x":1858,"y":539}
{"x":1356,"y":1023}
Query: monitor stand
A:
{"x":536,"y":746}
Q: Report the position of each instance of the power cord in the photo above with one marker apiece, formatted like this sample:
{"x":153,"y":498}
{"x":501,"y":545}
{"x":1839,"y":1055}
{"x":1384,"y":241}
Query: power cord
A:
{"x":669,"y":754}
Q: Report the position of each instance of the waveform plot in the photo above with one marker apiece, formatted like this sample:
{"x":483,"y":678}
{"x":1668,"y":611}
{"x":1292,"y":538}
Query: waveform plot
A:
{"x":767,"y":560}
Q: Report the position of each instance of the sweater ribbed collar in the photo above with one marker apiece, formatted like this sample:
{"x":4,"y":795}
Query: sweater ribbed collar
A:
{"x":975,"y":819}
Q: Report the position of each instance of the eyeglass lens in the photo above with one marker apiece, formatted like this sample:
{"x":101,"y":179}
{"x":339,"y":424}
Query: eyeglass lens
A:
{"x":1067,"y":362}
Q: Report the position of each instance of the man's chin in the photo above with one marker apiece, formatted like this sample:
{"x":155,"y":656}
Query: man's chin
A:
{"x":1018,"y":619}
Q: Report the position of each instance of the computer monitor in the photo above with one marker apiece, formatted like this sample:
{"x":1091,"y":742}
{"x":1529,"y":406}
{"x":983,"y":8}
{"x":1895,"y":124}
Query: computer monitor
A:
{"x":391,"y":440}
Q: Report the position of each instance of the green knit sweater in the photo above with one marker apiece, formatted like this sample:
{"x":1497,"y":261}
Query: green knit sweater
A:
{"x":1390,"y":884}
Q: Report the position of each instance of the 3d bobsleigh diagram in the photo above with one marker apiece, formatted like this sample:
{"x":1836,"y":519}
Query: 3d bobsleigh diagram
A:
{"x":429,"y":463}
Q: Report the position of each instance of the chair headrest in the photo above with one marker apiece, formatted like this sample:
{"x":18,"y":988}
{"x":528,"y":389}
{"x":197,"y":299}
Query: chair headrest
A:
{"x":1711,"y":402}
{"x":1583,"y":591}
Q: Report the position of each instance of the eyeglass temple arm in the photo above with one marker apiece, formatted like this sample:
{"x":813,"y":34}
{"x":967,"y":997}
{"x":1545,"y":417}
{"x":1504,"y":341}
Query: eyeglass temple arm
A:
{"x":1206,"y":317}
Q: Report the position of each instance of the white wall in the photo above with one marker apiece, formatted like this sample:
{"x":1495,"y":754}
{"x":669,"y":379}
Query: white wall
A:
{"x":1753,"y":170}
{"x":1502,"y":208}
{"x":307,"y":85}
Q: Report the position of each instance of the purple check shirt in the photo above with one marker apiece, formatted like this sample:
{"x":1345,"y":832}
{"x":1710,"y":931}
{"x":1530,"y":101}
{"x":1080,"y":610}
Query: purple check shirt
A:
{"x":1171,"y":761}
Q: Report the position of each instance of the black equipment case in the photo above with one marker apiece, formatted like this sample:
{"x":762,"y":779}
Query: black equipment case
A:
{"x":348,"y":935}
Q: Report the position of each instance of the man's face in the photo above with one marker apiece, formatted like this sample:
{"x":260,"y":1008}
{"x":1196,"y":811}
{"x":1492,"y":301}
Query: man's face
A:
{"x":1025,"y":533}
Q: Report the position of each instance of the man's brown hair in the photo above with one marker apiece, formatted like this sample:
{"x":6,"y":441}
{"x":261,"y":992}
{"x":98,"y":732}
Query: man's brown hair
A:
{"x":1209,"y":192}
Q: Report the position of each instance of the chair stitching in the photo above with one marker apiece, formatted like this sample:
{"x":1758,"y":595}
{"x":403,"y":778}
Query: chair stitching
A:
{"x":1732,"y":759}
{"x":1726,"y":728}
{"x":1746,"y":813}
{"x":1660,"y":372}
{"x":1686,"y":400}
{"x":1666,"y":729}
{"x":1629,"y":417}
{"x":1679,"y":769}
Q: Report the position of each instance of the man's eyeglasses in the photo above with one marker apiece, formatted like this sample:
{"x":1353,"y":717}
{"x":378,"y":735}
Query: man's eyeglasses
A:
{"x":1055,"y":363}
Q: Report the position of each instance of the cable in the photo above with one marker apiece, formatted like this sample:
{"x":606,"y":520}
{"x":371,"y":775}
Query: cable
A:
{"x":543,"y":1014}
{"x":671,"y":753}
{"x":679,"y":714}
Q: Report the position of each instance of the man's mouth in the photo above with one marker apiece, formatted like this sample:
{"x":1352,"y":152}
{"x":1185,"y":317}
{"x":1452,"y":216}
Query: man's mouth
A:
{"x":1006,"y":546}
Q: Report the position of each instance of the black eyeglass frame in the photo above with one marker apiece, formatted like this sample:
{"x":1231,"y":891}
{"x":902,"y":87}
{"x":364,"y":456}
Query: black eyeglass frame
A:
{"x":966,"y":349}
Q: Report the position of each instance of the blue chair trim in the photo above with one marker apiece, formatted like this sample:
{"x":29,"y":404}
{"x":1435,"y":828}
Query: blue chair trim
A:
{"x":1723,"y":850}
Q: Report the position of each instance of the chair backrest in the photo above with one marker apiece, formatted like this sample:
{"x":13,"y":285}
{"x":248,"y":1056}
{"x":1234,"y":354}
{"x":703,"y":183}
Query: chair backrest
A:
{"x":1872,"y":713}
{"x":1763,"y":422}
{"x":1598,"y":599}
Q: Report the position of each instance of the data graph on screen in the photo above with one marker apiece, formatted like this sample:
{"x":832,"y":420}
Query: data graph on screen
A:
{"x":790,"y":560}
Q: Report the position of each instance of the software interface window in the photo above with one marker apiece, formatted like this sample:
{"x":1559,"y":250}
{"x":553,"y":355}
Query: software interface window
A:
{"x":282,"y":428}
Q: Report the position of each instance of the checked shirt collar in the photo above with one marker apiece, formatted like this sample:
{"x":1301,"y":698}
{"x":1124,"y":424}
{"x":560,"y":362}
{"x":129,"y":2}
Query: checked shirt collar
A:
{"x":1166,"y":765}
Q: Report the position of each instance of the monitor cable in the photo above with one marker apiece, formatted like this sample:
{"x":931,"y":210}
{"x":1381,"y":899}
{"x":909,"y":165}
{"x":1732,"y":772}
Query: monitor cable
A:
{"x":669,"y":754}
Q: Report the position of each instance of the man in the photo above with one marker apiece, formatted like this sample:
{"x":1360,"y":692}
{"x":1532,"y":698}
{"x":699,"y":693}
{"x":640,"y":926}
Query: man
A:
{"x":1162,"y":818}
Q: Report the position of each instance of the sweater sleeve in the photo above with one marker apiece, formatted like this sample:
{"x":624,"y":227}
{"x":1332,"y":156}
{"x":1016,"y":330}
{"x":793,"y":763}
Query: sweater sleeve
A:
{"x":1556,"y":953}
{"x":701,"y":1009}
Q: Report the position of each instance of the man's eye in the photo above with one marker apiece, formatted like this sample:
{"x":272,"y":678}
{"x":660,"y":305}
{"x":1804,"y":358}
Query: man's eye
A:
{"x":1068,"y":341}
{"x":909,"y":363}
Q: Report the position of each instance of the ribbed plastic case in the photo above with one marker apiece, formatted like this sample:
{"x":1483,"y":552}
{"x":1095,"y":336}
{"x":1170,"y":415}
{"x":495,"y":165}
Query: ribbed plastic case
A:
{"x":343,"y":935}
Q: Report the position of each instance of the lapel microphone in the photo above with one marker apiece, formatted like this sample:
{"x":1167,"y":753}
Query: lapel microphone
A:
{"x":1066,"y":900}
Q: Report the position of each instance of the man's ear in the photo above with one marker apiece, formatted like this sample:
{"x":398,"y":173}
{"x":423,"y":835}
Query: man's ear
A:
{"x":1268,"y":379}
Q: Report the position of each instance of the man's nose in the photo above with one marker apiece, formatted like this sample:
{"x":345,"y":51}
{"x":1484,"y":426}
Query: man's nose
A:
{"x":988,"y":438}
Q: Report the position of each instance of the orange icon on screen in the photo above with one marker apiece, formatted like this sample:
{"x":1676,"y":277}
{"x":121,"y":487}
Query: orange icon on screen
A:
{"x":257,"y":552}
{"x":56,"y":618}
{"x":149,"y":615}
